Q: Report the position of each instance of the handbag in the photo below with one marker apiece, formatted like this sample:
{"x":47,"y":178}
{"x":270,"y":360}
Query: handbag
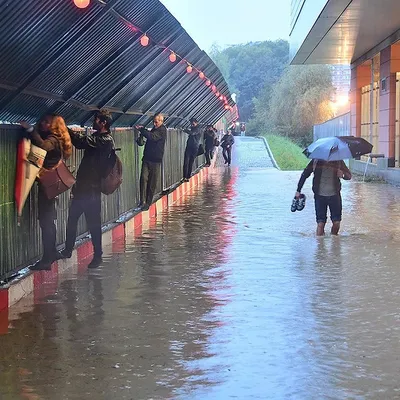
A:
{"x":200,"y":151}
{"x":56,"y":180}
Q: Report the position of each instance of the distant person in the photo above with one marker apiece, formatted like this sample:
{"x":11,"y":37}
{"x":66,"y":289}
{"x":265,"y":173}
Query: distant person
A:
{"x":152,"y":159}
{"x":50,"y":134}
{"x":226,"y":143}
{"x":86,"y":193}
{"x":192,"y":148}
{"x":242,"y":129}
{"x":326,"y":187}
{"x":210,"y":138}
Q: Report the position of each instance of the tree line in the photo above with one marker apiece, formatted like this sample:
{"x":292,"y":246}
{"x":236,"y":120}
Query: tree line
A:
{"x":273,"y":96}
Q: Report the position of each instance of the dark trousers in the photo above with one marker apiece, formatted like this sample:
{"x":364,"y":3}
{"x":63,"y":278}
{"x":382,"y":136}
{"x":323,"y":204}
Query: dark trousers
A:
{"x":47,"y":216}
{"x":90,"y":205}
{"x":209,"y":155}
{"x":227,"y":154}
{"x":188,"y":161}
{"x":148,"y":181}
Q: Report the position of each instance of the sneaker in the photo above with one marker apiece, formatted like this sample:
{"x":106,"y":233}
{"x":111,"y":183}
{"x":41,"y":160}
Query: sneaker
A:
{"x":97,"y":260}
{"x":293,"y":207}
{"x":301,"y":203}
{"x":66,"y":254}
{"x":41,"y":265}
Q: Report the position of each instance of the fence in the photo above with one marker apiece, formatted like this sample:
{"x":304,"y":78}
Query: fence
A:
{"x":339,"y":126}
{"x":20,"y":245}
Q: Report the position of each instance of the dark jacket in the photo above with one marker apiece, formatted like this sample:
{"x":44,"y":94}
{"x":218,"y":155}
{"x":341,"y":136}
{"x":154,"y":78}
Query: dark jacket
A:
{"x":194,"y":139}
{"x":336,"y":165}
{"x":97,"y":148}
{"x":155,"y":143}
{"x":227,"y":141}
{"x":51,"y":144}
{"x":209,"y":139}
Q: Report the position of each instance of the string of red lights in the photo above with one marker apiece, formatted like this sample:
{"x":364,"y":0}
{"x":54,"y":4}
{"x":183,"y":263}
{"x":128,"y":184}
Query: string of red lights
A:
{"x":145,"y":41}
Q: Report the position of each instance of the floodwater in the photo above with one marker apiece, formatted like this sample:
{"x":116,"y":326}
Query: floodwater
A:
{"x":229,"y":296}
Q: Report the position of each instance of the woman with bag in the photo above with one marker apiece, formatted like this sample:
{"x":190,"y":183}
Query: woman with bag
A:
{"x":50,"y":134}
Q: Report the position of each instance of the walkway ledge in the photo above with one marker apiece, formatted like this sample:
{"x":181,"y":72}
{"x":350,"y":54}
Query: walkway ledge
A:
{"x":30,"y":281}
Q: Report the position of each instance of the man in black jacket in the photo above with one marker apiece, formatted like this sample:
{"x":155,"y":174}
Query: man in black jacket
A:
{"x":192,"y":148}
{"x":226,"y":143}
{"x":86,"y":193}
{"x":326,"y":187}
{"x":152,"y":159}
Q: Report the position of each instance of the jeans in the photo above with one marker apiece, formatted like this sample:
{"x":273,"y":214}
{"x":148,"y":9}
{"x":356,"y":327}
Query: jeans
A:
{"x":227,"y":154}
{"x":47,"y":215}
{"x":190,"y":156}
{"x":209,"y":155}
{"x":148,"y":181}
{"x":90,"y":205}
{"x":321,"y":207}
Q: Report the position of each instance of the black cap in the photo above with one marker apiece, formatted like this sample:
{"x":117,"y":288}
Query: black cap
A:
{"x":193,"y":119}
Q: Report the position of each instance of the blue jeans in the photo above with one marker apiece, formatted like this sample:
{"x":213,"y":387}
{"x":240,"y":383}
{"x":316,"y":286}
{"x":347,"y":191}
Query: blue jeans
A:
{"x":321,"y":207}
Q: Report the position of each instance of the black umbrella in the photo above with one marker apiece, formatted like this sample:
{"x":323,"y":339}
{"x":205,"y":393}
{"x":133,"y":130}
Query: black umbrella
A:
{"x":338,"y":148}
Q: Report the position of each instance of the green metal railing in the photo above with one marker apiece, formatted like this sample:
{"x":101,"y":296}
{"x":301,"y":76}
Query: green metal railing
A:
{"x":21,"y":245}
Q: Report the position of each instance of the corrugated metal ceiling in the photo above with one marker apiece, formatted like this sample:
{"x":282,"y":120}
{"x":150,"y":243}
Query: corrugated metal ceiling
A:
{"x":58,"y":58}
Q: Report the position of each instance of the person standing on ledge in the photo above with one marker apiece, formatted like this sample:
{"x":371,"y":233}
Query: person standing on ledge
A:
{"x":152,"y":159}
{"x":192,"y":148}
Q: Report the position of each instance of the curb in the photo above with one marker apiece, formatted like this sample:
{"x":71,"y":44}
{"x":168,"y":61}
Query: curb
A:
{"x":271,"y":156}
{"x":43,"y":283}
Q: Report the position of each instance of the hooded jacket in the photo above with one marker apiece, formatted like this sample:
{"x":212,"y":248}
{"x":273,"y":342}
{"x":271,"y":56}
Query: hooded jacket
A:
{"x":97,"y":148}
{"x":317,"y":169}
{"x":194,"y":139}
{"x":227,"y":140}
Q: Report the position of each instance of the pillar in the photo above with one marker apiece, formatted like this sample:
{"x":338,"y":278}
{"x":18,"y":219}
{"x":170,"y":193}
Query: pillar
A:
{"x":360,"y":76}
{"x":390,"y":60}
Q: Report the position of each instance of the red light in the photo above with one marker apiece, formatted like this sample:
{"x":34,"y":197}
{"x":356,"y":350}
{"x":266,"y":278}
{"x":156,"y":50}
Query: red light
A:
{"x":81,"y":3}
{"x":144,"y":40}
{"x":201,"y":75}
{"x":227,"y":107}
{"x":221,"y":97}
{"x":217,"y":94}
{"x":189,"y":69}
{"x":214,"y":88}
{"x":172,"y":57}
{"x":208,"y":82}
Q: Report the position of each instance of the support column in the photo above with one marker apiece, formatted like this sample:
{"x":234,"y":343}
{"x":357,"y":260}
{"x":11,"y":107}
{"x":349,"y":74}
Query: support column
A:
{"x":387,"y":104}
{"x":360,"y":76}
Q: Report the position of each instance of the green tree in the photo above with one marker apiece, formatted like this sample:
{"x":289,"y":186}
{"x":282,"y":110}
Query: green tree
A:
{"x":248,"y":68}
{"x":299,"y":100}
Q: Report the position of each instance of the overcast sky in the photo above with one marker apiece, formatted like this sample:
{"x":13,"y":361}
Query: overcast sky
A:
{"x":228,"y":22}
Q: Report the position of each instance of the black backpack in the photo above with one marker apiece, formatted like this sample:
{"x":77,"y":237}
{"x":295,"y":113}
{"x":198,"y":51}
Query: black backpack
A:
{"x":112,"y":177}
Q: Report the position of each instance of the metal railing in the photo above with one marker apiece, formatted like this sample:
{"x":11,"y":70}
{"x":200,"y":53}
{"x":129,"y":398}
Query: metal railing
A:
{"x":338,"y":126}
{"x":21,"y":245}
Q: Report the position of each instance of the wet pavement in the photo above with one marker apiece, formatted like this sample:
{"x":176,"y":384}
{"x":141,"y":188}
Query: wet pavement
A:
{"x":229,"y":296}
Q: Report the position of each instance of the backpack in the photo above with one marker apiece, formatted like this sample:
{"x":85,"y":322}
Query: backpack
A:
{"x":112,"y":177}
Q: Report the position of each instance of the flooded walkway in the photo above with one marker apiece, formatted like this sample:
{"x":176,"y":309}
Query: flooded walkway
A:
{"x":230,"y":296}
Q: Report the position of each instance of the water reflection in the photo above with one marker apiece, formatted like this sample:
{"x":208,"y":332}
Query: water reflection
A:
{"x":229,"y":295}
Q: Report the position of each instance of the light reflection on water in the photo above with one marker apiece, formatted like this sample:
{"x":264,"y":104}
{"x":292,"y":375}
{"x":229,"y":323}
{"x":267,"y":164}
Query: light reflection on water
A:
{"x":230,"y":296}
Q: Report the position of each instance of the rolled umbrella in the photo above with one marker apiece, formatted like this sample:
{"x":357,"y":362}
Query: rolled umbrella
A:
{"x":30,"y":160}
{"x":336,"y":148}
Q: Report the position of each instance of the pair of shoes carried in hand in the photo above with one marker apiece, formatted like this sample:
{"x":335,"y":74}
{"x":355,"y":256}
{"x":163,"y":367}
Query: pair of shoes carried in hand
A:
{"x":298,"y":204}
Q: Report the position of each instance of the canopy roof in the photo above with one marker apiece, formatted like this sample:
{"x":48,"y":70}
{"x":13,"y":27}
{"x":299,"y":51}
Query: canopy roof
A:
{"x":59,"y":58}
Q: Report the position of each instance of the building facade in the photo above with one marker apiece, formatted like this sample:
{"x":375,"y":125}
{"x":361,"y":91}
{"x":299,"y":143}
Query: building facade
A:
{"x":364,"y":35}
